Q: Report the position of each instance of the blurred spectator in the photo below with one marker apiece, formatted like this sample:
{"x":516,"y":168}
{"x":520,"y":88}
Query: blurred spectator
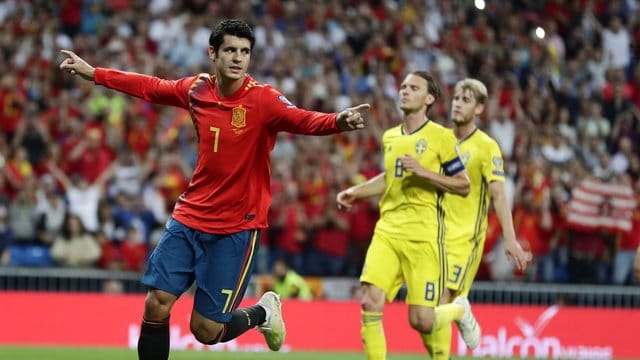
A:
{"x":5,"y":235}
{"x":17,"y":170}
{"x":12,"y":102}
{"x":592,"y":124}
{"x":108,"y":225}
{"x":112,"y":287}
{"x":288,"y":283}
{"x":616,"y":42}
{"x":328,"y":251}
{"x":128,"y":174}
{"x":627,"y":247}
{"x":128,"y":254}
{"x":558,"y":151}
{"x":89,"y":158}
{"x":290,"y":242}
{"x":154,"y":201}
{"x":82,"y":195}
{"x":589,"y":257}
{"x":532,"y":224}
{"x":129,"y":211}
{"x":621,"y":158}
{"x":32,"y":136}
{"x":362,"y":220}
{"x":75,"y":247}
{"x":503,"y":129}
{"x":51,"y":210}
{"x":22,"y":215}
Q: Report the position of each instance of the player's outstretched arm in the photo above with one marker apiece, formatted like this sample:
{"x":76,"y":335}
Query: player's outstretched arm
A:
{"x":374,"y":186}
{"x":512,"y":247}
{"x":351,"y":118}
{"x":75,"y":65}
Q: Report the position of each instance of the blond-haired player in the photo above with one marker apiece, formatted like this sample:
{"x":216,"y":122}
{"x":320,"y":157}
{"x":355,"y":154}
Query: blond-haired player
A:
{"x":466,"y":217}
{"x":421,"y":164}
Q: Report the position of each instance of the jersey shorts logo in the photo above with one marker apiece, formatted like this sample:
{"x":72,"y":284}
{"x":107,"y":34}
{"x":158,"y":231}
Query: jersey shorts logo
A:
{"x":283,"y":99}
{"x":238,"y":119}
{"x":421,"y":146}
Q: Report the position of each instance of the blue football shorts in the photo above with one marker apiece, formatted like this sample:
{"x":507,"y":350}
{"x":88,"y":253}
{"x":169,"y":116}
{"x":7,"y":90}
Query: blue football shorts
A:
{"x":221,"y":266}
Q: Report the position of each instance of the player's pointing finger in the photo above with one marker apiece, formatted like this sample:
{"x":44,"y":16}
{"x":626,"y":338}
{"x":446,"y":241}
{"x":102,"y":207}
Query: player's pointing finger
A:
{"x":69,"y":53}
{"x":361,"y":107}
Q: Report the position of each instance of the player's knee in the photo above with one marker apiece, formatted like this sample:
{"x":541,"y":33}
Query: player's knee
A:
{"x":206,"y":333}
{"x":422,"y":320}
{"x":372,"y":299}
{"x":206,"y":336}
{"x":423,"y":326}
{"x":205,"y":330}
{"x":157,"y":305}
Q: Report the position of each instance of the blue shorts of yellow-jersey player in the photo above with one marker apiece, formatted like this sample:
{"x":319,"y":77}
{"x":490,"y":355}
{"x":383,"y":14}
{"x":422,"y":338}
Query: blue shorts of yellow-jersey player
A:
{"x":221,"y":266}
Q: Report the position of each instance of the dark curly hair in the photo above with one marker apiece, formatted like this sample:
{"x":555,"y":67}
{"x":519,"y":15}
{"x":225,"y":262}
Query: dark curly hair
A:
{"x":230,"y":27}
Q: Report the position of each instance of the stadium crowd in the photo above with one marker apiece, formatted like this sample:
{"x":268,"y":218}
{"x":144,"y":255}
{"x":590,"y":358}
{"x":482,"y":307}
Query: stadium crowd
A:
{"x":89,"y":176}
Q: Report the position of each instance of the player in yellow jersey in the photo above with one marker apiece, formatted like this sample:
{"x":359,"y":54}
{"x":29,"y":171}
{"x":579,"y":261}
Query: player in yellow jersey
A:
{"x":421,"y":164}
{"x":466,"y":217}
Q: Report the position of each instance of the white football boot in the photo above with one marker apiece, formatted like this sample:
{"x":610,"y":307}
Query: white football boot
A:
{"x":273,"y":328}
{"x":468,"y":326}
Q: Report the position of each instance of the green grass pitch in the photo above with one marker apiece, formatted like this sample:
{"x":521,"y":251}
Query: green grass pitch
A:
{"x":69,"y":353}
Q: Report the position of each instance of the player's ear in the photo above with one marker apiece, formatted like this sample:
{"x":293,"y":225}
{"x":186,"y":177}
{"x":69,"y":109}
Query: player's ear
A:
{"x":212,"y":53}
{"x":430,"y":99}
{"x":479,"y":109}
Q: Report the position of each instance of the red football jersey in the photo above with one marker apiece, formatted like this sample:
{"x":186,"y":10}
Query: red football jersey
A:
{"x":229,"y":190}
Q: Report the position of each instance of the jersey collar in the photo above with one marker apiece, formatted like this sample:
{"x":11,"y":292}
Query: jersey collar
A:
{"x":416,"y":130}
{"x":468,"y":136}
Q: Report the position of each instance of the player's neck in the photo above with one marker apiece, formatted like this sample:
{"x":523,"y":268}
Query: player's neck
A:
{"x":464,"y":130}
{"x":414,"y":121}
{"x":227,"y":87}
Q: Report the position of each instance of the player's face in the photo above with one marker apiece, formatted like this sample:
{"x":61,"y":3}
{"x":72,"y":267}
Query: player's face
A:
{"x":464,"y":107}
{"x":232,"y":58}
{"x":414,"y":95}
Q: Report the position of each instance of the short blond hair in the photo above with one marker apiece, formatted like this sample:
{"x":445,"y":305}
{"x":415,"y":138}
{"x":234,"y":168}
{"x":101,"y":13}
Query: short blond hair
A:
{"x":477,"y":88}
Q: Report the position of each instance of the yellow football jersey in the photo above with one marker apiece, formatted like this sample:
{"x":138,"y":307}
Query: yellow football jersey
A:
{"x":466,"y":217}
{"x":411,"y":207}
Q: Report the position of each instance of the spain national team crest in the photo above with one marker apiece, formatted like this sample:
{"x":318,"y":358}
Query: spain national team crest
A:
{"x":239,"y":117}
{"x":421,"y":146}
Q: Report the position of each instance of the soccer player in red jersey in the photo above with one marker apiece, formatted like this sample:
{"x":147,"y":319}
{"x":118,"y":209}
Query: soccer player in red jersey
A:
{"x":213,"y":233}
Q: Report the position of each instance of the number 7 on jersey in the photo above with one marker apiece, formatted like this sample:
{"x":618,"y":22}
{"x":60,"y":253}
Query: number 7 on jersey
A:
{"x":216,"y":135}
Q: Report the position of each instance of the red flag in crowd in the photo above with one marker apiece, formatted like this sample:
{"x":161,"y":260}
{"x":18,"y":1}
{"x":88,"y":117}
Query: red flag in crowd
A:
{"x":601,"y":206}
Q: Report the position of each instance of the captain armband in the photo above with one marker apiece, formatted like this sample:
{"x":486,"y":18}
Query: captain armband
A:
{"x":453,"y":167}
